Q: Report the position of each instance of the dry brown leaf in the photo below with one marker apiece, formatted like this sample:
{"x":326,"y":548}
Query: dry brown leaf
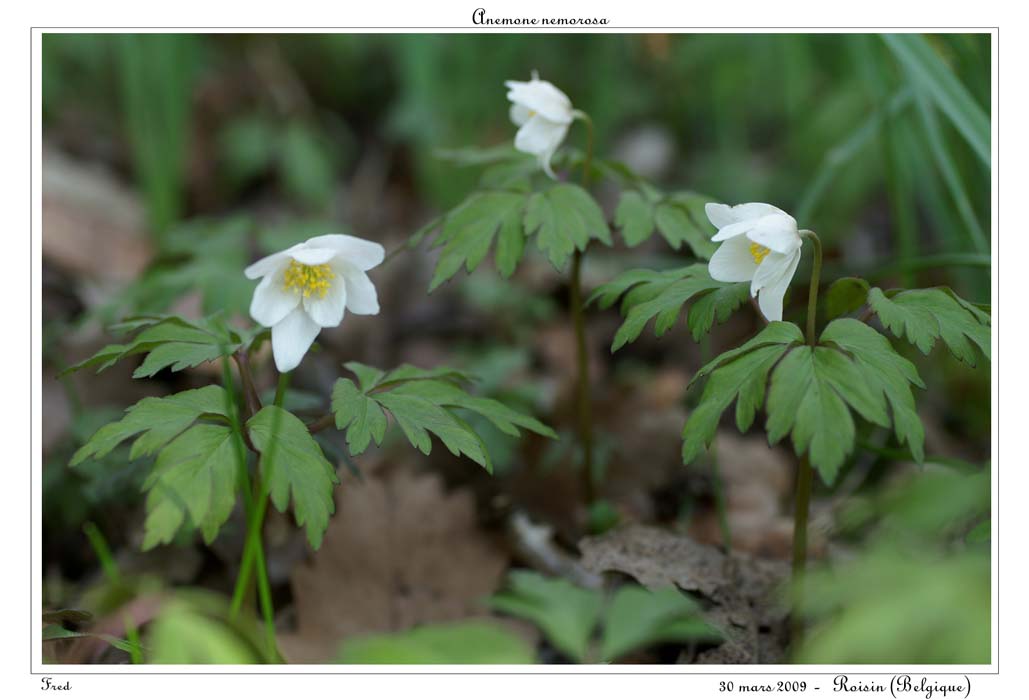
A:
{"x":741,"y":590}
{"x":92,"y":225}
{"x":400,"y":551}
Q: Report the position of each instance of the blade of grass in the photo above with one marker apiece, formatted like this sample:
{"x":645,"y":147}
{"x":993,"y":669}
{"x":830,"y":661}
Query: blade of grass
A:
{"x":839,"y":156}
{"x":949,"y":170}
{"x":930,"y":73}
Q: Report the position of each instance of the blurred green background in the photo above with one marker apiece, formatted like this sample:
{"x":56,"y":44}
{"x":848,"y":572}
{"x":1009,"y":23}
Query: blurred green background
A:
{"x":845,"y":131}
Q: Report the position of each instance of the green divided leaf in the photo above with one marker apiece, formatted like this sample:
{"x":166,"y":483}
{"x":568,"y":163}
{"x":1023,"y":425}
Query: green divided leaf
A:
{"x":924,"y":315}
{"x":193,"y":479}
{"x":293,"y":463}
{"x":469,"y":642}
{"x":635,"y":217}
{"x":679,"y":218}
{"x":170,"y":341}
{"x":193,"y":482}
{"x":809,"y":396}
{"x":564,"y":219}
{"x":632,"y":619}
{"x":422,"y":402}
{"x":845,"y":295}
{"x":566,"y":613}
{"x":661,"y":296}
{"x":742,"y":376}
{"x":155,"y":421}
{"x":885,"y":371}
{"x":812,"y":391}
{"x":469,"y":230}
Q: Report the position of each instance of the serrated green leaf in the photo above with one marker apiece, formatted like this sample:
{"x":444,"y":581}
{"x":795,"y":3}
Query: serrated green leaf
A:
{"x":886,"y":372}
{"x":845,"y":295}
{"x":608,"y":293}
{"x":468,"y":231}
{"x":293,"y":463}
{"x":661,"y":296}
{"x":742,"y":378}
{"x":506,"y":420}
{"x":422,"y":401}
{"x":566,"y":613}
{"x":775,"y":333}
{"x":359,"y":415}
{"x":192,"y":483}
{"x":510,"y":244}
{"x":719,"y":304}
{"x":811,"y":393}
{"x":470,"y":642}
{"x":170,"y":341}
{"x":418,"y":417}
{"x":637,"y":618}
{"x":924,"y":315}
{"x":634,"y":217}
{"x":156,"y":421}
{"x":677,"y":225}
{"x":564,"y":219}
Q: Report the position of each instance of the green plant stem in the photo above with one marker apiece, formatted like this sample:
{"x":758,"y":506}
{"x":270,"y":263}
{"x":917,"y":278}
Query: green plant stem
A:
{"x":718,"y":485}
{"x":802,"y":501}
{"x":253,"y":552}
{"x":801,"y":508}
{"x":583,"y":401}
{"x":812,"y":295}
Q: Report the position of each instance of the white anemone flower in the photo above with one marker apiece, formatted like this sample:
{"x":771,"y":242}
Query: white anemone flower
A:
{"x":760,"y":245}
{"x":307,"y":287}
{"x":543,"y":114}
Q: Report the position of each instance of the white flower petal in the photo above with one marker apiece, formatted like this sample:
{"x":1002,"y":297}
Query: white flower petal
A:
{"x":271,"y":302}
{"x":541,"y":97}
{"x":291,"y":339}
{"x":361,"y":295}
{"x":755,"y":210}
{"x":733,"y":262}
{"x":266,"y":265}
{"x":311,"y":255}
{"x":519,"y":114}
{"x":361,"y":253}
{"x":327,"y":311}
{"x":777,"y":232}
{"x":541,"y":138}
{"x":719,"y":214}
{"x":772,"y":292}
{"x":732,"y":230}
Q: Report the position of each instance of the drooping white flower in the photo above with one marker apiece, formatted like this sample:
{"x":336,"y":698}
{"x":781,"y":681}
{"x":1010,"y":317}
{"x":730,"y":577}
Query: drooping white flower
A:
{"x":543,"y":114}
{"x":760,"y":245}
{"x":307,"y":287}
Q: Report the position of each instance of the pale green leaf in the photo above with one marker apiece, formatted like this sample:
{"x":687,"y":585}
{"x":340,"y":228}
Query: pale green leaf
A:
{"x":155,"y":421}
{"x":293,"y":464}
{"x":884,"y":371}
{"x":924,"y":315}
{"x":637,"y":618}
{"x":566,"y":613}
{"x":457,"y":643}
{"x":634,"y":217}
{"x":193,"y":483}
{"x":469,"y":230}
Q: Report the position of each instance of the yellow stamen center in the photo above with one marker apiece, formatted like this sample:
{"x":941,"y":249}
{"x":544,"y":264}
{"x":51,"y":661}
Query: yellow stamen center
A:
{"x":758,"y":252}
{"x":308,"y":279}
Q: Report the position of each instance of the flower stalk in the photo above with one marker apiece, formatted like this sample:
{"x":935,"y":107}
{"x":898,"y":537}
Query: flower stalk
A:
{"x":253,"y":549}
{"x":802,"y":500}
{"x":583,"y":400}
